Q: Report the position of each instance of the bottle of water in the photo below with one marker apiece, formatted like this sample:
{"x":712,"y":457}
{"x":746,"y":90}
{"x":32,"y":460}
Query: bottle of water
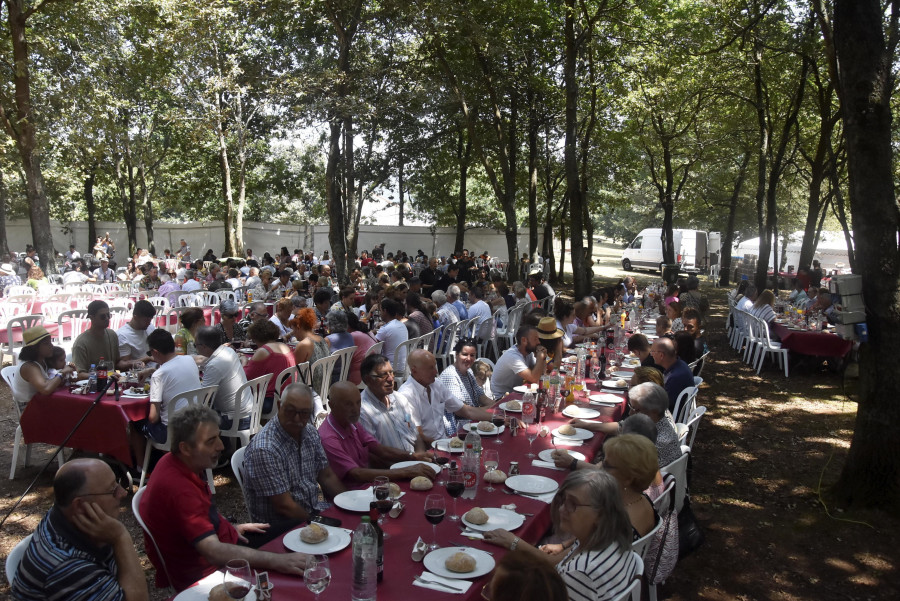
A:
{"x":365,"y":552}
{"x":595,"y":366}
{"x":579,"y":366}
{"x":92,"y":378}
{"x":553,"y":391}
{"x":471,"y":464}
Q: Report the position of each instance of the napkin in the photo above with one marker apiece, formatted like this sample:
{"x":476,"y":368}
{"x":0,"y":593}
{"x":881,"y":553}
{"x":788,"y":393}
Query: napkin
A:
{"x":546,"y":464}
{"x":565,"y":442}
{"x":469,"y":533}
{"x":461,"y":586}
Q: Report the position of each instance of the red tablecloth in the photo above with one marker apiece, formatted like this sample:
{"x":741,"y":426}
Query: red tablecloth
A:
{"x":49,"y":418}
{"x":399,"y":568}
{"x":53,"y":328}
{"x":816,"y":344}
{"x":163,"y":320}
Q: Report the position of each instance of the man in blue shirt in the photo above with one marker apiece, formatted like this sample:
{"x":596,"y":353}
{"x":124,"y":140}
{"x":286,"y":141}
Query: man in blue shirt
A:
{"x":676,"y":373}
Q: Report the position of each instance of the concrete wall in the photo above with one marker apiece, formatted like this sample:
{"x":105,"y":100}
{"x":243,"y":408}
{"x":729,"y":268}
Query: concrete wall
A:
{"x":263,"y":237}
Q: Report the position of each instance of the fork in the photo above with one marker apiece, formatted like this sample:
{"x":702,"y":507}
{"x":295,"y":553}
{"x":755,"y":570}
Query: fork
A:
{"x":446,"y":586}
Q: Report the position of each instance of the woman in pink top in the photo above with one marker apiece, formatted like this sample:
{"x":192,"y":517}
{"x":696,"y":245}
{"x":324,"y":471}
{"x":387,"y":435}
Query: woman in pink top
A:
{"x":272,"y":357}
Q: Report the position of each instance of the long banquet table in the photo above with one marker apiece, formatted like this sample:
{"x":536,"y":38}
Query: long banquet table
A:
{"x":815,"y":344}
{"x":399,"y":568}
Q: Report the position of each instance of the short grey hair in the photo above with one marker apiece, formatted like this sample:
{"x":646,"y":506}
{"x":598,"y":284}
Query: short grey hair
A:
{"x":613,"y":525}
{"x":453,"y":291}
{"x":258,"y":305}
{"x":519,"y":289}
{"x":439,"y":297}
{"x":337,"y":321}
{"x":652,"y":397}
{"x":184,"y":424}
{"x":639,"y":424}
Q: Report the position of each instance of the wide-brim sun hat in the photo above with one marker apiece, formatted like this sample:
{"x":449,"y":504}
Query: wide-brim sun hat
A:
{"x":7,"y":269}
{"x":547,"y":329}
{"x":35,"y":335}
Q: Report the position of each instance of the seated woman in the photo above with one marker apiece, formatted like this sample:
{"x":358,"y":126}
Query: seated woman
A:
{"x":310,"y":346}
{"x":596,"y":563}
{"x":461,"y":382}
{"x":271,"y":357}
{"x":663,"y":325}
{"x":673,"y":312}
{"x":564,"y":311}
{"x":191,"y":320}
{"x":33,"y":377}
{"x":36,"y":278}
{"x":231,"y":329}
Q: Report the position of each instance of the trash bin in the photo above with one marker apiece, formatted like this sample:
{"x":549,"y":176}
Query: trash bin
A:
{"x":670,"y":272}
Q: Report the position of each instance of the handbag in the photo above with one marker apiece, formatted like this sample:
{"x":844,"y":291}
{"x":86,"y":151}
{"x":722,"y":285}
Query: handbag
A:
{"x":690,"y":535}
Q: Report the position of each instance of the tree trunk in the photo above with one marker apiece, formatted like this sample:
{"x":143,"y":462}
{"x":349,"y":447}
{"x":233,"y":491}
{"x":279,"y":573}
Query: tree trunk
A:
{"x":871,"y":475}
{"x":91,"y":207}
{"x":533,"y":126}
{"x":463,"y":155}
{"x":561,"y":276}
{"x":762,"y":157}
{"x":400,"y":188}
{"x":728,"y":237}
{"x":147,"y":210}
{"x":225,"y":173}
{"x":4,"y":243}
{"x":573,"y":181}
{"x":333,"y":186}
{"x":21,"y":126}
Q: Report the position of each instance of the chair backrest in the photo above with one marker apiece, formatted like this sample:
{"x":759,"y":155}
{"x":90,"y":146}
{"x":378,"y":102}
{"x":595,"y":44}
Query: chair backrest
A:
{"x":634,"y":589}
{"x":486,"y":329}
{"x":401,"y":353}
{"x":297,"y":373}
{"x":203,"y":395}
{"x":237,"y":466}
{"x":8,"y":373}
{"x":45,"y":290}
{"x":81,"y":300}
{"x":19,"y":290}
{"x":693,"y":424}
{"x":324,"y":366}
{"x":665,"y":502}
{"x":122,"y":302}
{"x":701,"y":363}
{"x":75,"y":321}
{"x":472,"y":327}
{"x":60,"y":297}
{"x":375,"y":349}
{"x":189,"y":299}
{"x":51,"y":310}
{"x":685,"y":404}
{"x":227,"y":295}
{"x":136,"y":510}
{"x":26,"y":300}
{"x":22,"y":322}
{"x":640,"y":545}
{"x":698,"y":381}
{"x":173,"y":316}
{"x":257,"y":388}
{"x":207,"y":298}
{"x":678,"y":469}
{"x":15,"y":558}
{"x":159,"y":302}
{"x":345,"y":355}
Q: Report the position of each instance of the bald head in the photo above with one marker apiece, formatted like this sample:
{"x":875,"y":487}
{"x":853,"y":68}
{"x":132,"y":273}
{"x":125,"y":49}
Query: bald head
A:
{"x":344,"y":401}
{"x":664,"y":352}
{"x":422,"y":367}
{"x":71,"y":478}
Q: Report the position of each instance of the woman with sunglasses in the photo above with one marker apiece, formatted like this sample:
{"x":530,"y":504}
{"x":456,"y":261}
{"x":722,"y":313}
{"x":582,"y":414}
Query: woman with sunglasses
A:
{"x":232,"y":330}
{"x":596,"y":562}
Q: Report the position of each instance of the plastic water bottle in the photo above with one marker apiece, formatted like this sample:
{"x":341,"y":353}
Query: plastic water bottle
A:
{"x":579,"y":366}
{"x":365,"y":551}
{"x":471,"y":467}
{"x":595,"y":366}
{"x":92,"y":379}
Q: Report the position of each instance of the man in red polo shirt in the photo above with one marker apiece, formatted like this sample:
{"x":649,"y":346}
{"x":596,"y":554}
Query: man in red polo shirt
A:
{"x":193,"y":538}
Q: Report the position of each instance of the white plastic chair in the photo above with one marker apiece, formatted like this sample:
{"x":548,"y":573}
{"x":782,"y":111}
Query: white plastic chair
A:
{"x":688,"y":430}
{"x":402,"y":351}
{"x":60,"y":297}
{"x":19,"y":289}
{"x":237,"y":466}
{"x":160,"y":302}
{"x":80,"y":300}
{"x":766,"y":346}
{"x":375,"y":349}
{"x":297,"y":373}
{"x":678,"y":469}
{"x":227,"y":295}
{"x":257,"y":388}
{"x":15,"y":558}
{"x":634,"y":589}
{"x":664,"y":505}
{"x":189,"y":299}
{"x":207,"y":298}
{"x":25,"y":300}
{"x":76,"y":321}
{"x":181,"y":402}
{"x":685,"y":404}
{"x":640,"y":545}
{"x":136,"y":510}
{"x":50,"y":310}
{"x":20,"y":323}
{"x":345,"y":355}
{"x":325,"y":366}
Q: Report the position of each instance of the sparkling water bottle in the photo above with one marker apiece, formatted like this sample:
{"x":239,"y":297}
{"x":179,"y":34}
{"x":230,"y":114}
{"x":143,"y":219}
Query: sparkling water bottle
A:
{"x":365,"y":551}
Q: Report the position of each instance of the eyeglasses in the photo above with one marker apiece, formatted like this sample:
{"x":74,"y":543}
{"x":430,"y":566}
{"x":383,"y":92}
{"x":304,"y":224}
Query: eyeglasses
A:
{"x":291,"y":413}
{"x":115,"y":491}
{"x":384,"y":376}
{"x":571,"y":505}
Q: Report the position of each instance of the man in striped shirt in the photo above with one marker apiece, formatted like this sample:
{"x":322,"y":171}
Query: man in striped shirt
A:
{"x":80,"y":549}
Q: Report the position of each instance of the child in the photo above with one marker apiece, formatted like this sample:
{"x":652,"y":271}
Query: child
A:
{"x":56,"y":362}
{"x":483,"y":374}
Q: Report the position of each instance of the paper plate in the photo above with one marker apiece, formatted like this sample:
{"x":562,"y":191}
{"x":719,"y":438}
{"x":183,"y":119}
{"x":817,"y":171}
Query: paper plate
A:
{"x":338,"y":538}
{"x":547,"y":455}
{"x":532,"y":485}
{"x":434,"y":562}
{"x":580,"y":434}
{"x":497,"y":518}
{"x":580,"y":412}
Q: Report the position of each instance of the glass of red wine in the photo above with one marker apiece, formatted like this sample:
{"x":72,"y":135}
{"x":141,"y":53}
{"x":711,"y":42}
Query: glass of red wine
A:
{"x":455,"y":488}
{"x":238,"y":578}
{"x":383,"y":503}
{"x":434,"y":513}
{"x":499,"y":419}
{"x":441,"y":460}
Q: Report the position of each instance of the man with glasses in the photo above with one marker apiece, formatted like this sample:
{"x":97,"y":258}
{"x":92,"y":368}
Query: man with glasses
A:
{"x":81,"y":549}
{"x":285,"y":464}
{"x":257,"y":311}
{"x":97,"y":342}
{"x":379,"y":413}
{"x":676,"y":373}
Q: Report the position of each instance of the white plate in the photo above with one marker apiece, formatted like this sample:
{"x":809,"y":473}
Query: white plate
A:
{"x":434,"y":562}
{"x":580,"y":434}
{"x":532,"y":485}
{"x":524,"y":389}
{"x":200,"y":591}
{"x":470,"y":426}
{"x":338,"y":538}
{"x":572,"y":359}
{"x":606,"y":399}
{"x":355,"y":500}
{"x":497,"y":518}
{"x":580,"y":412}
{"x":547,"y":455}
{"x":444,"y":445}
{"x":402,"y":464}
{"x":505,"y":407}
{"x":612,"y":384}
{"x":632,"y":363}
{"x":622,"y":374}
{"x":135,"y":394}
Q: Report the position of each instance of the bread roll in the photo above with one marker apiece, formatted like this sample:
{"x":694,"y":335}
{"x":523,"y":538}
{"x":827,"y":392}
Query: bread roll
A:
{"x":421,"y":483}
{"x":621,"y":383}
{"x":460,"y":562}
{"x":395,"y":491}
{"x":486,"y":426}
{"x":313,"y":534}
{"x":567,"y":430}
{"x":218,"y":593}
{"x":477,"y":516}
{"x":495,"y":477}
{"x":456,"y":443}
{"x":513,"y":405}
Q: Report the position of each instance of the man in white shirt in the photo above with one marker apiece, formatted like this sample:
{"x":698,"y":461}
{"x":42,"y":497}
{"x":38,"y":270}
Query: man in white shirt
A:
{"x":175,"y":375}
{"x":223,"y":369}
{"x":426,"y":399}
{"x":379,"y":412}
{"x":524,"y":363}
{"x":393,"y":333}
{"x":76,"y":276}
{"x":234,"y":279}
{"x":133,"y":345}
{"x":479,"y":308}
{"x":72,"y":255}
{"x":253,"y":279}
{"x":184,"y":252}
{"x":104,"y":273}
{"x":190,"y":281}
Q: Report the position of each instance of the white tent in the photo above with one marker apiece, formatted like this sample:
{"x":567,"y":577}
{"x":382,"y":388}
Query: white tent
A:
{"x":831,"y":251}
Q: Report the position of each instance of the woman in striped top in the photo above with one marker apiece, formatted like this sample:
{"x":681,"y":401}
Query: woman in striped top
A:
{"x":597,"y":563}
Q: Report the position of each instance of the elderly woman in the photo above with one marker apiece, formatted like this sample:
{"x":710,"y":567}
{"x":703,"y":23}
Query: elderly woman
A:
{"x":33,"y":377}
{"x":260,"y":292}
{"x":191,"y":320}
{"x":231,"y":329}
{"x":272,"y":357}
{"x":632,"y":461}
{"x":460,"y":381}
{"x":596,"y":562}
{"x":415,"y":307}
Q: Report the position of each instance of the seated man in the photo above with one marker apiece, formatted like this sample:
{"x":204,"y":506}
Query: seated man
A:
{"x":426,"y":399}
{"x":640,"y":347}
{"x":193,"y":538}
{"x":285,"y":463}
{"x":379,"y":412}
{"x":349,"y":446}
{"x":539,"y":286}
{"x":80,"y":549}
{"x":97,"y":342}
{"x":676,"y":373}
{"x":133,"y":347}
{"x":223,"y":369}
{"x":690,"y":319}
{"x":524,"y":363}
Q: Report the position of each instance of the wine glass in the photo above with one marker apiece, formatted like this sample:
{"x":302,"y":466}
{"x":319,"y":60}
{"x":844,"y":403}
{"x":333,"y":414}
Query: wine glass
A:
{"x":455,"y":488}
{"x":499,"y":419}
{"x":238,"y":580}
{"x":382,"y":490}
{"x":491,"y":462}
{"x":434,"y":513}
{"x":441,"y":460}
{"x":531,"y":432}
{"x":317,"y":574}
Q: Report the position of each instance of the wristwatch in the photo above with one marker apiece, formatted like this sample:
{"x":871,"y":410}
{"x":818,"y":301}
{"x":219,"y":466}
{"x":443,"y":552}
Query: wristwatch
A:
{"x":574,"y":464}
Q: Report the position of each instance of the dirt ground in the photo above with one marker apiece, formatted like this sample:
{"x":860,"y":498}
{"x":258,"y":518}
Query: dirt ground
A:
{"x":766,"y":453}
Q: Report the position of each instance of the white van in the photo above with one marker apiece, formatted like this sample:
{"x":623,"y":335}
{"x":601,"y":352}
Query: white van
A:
{"x":645,"y":251}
